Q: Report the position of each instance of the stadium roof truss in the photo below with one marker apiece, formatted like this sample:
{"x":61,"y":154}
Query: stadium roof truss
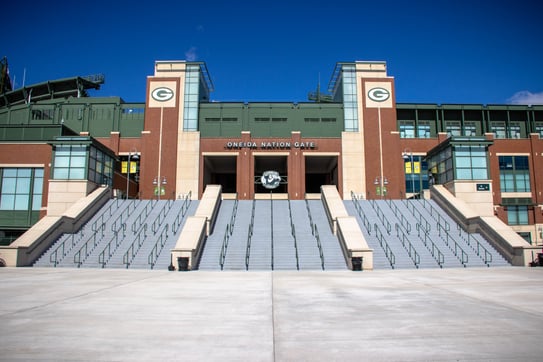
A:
{"x":61,"y":88}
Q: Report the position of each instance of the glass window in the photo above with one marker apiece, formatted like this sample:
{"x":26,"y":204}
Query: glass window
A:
{"x":514,"y":130}
{"x":423,"y":130}
{"x":514,"y":174}
{"x":452,"y":128}
{"x":498,"y":128}
{"x":470,"y":163}
{"x":470,"y":129}
{"x":70,"y":162}
{"x":20,"y":186}
{"x":517,"y":215}
{"x":407,"y":129}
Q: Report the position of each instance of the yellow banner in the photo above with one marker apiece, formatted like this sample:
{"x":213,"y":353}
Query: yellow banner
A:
{"x":133,"y":166}
{"x":416,"y":166}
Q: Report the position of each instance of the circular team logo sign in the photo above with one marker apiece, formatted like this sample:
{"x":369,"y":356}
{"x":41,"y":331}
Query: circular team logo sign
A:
{"x":378,"y":94}
{"x":162,"y":94}
{"x":270,"y":179}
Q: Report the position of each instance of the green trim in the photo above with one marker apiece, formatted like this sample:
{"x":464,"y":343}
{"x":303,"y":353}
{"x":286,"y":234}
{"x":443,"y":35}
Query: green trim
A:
{"x":517,"y":201}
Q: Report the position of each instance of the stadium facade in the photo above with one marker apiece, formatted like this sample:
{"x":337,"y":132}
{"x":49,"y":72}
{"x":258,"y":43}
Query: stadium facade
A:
{"x":57,"y":145}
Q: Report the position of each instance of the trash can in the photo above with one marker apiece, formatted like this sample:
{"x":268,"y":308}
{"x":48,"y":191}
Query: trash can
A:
{"x":357,"y":263}
{"x":183,"y":263}
{"x":540,"y":259}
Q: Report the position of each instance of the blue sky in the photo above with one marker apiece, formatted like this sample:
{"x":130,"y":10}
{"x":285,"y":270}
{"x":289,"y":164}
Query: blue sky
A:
{"x":483,"y":52}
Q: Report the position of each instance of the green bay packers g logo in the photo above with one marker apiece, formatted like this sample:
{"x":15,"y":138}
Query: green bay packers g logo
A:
{"x":378,"y":94}
{"x":162,"y":94}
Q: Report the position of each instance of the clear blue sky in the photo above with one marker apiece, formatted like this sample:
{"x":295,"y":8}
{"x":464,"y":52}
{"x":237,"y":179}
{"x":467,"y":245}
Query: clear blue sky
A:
{"x":483,"y":52}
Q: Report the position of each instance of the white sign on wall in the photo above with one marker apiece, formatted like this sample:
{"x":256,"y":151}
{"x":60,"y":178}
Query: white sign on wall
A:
{"x":378,"y":94}
{"x":162,"y":94}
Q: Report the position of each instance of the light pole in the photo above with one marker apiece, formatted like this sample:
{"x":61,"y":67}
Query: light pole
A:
{"x":380,"y":185}
{"x":408,"y":154}
{"x":158,"y":188}
{"x":128,"y":169}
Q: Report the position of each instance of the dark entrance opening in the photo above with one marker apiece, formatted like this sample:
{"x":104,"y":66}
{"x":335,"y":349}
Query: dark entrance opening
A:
{"x":320,"y":170}
{"x":271,"y":163}
{"x":220,"y":170}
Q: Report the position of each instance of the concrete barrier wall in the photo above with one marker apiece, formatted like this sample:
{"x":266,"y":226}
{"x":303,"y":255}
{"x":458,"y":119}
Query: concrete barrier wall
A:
{"x":353,"y":243}
{"x":191,"y":241}
{"x":209,"y":206}
{"x":36,"y":240}
{"x":333,"y":205}
{"x":346,"y":228}
{"x":504,"y":239}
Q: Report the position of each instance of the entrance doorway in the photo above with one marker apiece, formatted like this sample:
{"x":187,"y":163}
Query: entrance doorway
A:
{"x":320,"y":170}
{"x":220,"y":170}
{"x":271,"y":163}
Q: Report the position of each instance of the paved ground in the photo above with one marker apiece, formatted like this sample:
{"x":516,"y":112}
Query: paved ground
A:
{"x":127,"y":315}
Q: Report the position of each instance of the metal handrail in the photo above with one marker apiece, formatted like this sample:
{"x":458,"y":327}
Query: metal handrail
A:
{"x":434,"y":212}
{"x":155,"y":251}
{"x":427,"y":225}
{"x":136,"y":225}
{"x":131,"y":252}
{"x":361,"y":213}
{"x":228,"y":232}
{"x":411,"y":251}
{"x":224,"y":246}
{"x":486,"y":257}
{"x":249,"y":236}
{"x":463,"y":257}
{"x":434,"y":250}
{"x":384,"y":245}
{"x":293,"y":233}
{"x":155,"y":226}
{"x":319,"y":245}
{"x":101,"y":217}
{"x":271,"y":230}
{"x":77,"y":255}
{"x":53,"y":258}
{"x":181,"y":214}
{"x":381,"y":216}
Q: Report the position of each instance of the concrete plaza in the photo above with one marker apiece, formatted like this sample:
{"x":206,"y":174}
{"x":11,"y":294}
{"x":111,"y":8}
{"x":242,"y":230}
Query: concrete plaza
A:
{"x":478,"y":314}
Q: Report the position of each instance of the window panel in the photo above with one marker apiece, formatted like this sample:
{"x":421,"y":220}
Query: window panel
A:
{"x":23,"y":186}
{"x":7,"y":202}
{"x":60,"y":173}
{"x":77,"y":162}
{"x":38,"y":185}
{"x":10,"y":172}
{"x":77,"y":174}
{"x":8,"y":185}
{"x":463,"y":162}
{"x":480,"y":174}
{"x":36,"y":202}
{"x":24,"y":172}
{"x":21,"y":202}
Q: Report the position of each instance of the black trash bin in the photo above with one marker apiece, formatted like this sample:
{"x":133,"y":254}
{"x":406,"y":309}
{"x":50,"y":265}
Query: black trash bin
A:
{"x":357,"y":263}
{"x":540,"y":259}
{"x":183,"y":263}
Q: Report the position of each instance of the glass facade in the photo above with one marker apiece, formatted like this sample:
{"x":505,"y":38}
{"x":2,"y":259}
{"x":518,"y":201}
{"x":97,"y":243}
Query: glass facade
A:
{"x":70,"y":162}
{"x":192,"y":84}
{"x":470,"y":162}
{"x":459,"y":162}
{"x":21,"y":189}
{"x":416,"y":174}
{"x":514,"y":174}
{"x":82,"y":162}
{"x":350,"y":96}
